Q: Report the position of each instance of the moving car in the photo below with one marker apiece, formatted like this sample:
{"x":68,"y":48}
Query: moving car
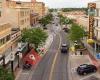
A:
{"x":56,"y":25}
{"x":64,"y":48}
{"x":86,"y":69}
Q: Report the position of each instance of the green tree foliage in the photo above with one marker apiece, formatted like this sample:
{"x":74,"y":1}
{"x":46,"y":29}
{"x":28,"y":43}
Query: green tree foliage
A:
{"x":52,"y":10}
{"x":46,"y":20}
{"x":65,"y":20}
{"x":75,"y":9}
{"x":5,"y":74}
{"x":76,"y":33}
{"x":34,"y":36}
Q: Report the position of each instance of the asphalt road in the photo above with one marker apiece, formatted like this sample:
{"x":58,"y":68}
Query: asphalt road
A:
{"x":53,"y":65}
{"x":42,"y":70}
{"x":45,"y":69}
{"x":60,"y":70}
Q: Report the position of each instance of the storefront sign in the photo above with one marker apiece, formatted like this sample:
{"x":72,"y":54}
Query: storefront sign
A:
{"x":92,"y":5}
{"x":98,"y":56}
{"x":91,"y":13}
{"x":91,"y":23}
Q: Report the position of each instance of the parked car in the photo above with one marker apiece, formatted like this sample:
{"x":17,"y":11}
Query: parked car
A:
{"x":56,"y":25}
{"x":66,"y":29}
{"x":44,"y":27}
{"x":86,"y":69}
{"x":53,"y":22}
{"x":64,"y":48}
{"x":27,"y":66}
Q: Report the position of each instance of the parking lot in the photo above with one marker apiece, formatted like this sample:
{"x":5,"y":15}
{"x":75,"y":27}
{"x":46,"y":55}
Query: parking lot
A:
{"x":75,"y":61}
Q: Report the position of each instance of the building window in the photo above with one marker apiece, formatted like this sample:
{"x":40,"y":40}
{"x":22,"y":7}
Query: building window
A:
{"x":0,"y":13}
{"x":2,"y":41}
{"x":8,"y":38}
{"x":22,"y":22}
{"x":21,"y":13}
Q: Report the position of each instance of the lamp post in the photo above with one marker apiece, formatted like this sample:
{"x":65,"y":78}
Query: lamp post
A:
{"x":18,"y":59}
{"x":12,"y":57}
{"x":19,"y":54}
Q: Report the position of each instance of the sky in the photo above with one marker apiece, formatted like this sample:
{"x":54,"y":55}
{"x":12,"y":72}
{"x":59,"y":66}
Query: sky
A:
{"x":64,"y":3}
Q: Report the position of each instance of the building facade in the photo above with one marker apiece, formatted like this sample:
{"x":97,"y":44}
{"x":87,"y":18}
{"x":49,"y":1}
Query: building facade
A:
{"x":0,"y":8}
{"x":5,"y":40}
{"x":46,"y":10}
{"x":30,"y":6}
{"x":20,"y":17}
{"x":84,"y":22}
{"x":34,"y":16}
{"x":97,"y":26}
{"x":14,"y":17}
{"x":39,"y":7}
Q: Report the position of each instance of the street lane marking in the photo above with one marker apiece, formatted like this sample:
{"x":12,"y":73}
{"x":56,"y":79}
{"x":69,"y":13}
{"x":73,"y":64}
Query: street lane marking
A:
{"x":54,"y":61}
{"x":73,"y":70}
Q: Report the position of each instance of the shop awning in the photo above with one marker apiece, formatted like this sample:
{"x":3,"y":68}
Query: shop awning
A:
{"x":32,"y":57}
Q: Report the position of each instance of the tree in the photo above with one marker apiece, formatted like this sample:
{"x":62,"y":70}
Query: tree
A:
{"x":76,"y":33}
{"x":5,"y":74}
{"x":65,"y":20}
{"x":75,"y":9}
{"x":34,"y":36}
{"x":46,"y":20}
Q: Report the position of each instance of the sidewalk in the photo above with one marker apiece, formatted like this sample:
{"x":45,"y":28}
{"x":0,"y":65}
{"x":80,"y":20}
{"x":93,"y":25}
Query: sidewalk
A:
{"x":92,"y":55}
{"x":27,"y":74}
{"x":74,"y":62}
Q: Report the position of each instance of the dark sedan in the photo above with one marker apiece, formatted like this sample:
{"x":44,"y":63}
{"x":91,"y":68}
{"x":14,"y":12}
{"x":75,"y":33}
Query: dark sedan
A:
{"x":64,"y":48}
{"x":86,"y":69}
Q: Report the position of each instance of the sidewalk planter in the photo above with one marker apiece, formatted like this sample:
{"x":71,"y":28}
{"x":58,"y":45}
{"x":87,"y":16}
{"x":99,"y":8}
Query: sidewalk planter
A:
{"x":44,"y":48}
{"x":90,"y":41}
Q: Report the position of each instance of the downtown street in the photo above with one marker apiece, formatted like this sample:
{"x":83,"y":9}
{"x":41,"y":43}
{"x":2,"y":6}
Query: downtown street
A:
{"x":53,"y":65}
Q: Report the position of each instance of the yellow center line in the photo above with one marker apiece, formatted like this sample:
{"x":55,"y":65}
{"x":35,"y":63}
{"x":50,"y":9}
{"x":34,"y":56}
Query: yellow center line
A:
{"x":54,"y":61}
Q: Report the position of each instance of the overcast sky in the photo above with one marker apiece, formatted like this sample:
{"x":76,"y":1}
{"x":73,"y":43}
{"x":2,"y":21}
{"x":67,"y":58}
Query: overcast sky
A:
{"x":64,"y":3}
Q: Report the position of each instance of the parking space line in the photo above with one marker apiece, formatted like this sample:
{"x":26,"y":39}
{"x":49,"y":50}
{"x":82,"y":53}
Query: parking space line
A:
{"x":87,"y":76}
{"x":73,"y":69}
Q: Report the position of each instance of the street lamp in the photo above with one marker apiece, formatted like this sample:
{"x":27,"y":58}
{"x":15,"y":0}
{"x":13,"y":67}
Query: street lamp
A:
{"x":12,"y":57}
{"x":19,"y":54}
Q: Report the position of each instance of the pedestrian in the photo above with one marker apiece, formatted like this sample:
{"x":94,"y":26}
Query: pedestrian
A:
{"x":75,"y":53}
{"x":81,"y":53}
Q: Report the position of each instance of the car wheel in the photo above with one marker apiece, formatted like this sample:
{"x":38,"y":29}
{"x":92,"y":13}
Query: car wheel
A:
{"x":94,"y":70}
{"x":84,"y":73}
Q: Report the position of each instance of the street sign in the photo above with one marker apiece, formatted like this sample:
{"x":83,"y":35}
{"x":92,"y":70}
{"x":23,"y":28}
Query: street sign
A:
{"x":98,"y":56}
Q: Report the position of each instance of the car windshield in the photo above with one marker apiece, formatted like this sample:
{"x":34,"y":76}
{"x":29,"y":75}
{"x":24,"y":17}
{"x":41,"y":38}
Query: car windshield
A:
{"x":64,"y":45}
{"x":83,"y":66}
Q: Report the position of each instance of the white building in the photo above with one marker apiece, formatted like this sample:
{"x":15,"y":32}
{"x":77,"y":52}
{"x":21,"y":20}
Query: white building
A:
{"x":97,"y":25}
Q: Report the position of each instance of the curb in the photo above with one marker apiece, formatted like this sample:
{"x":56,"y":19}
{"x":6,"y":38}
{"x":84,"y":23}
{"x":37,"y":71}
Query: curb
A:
{"x":16,"y":78}
{"x":70,"y":77}
{"x":49,"y":46}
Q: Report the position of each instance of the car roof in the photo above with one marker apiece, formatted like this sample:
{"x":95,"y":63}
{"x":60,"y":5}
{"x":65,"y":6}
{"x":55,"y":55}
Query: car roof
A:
{"x":64,"y":45}
{"x":85,"y":65}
